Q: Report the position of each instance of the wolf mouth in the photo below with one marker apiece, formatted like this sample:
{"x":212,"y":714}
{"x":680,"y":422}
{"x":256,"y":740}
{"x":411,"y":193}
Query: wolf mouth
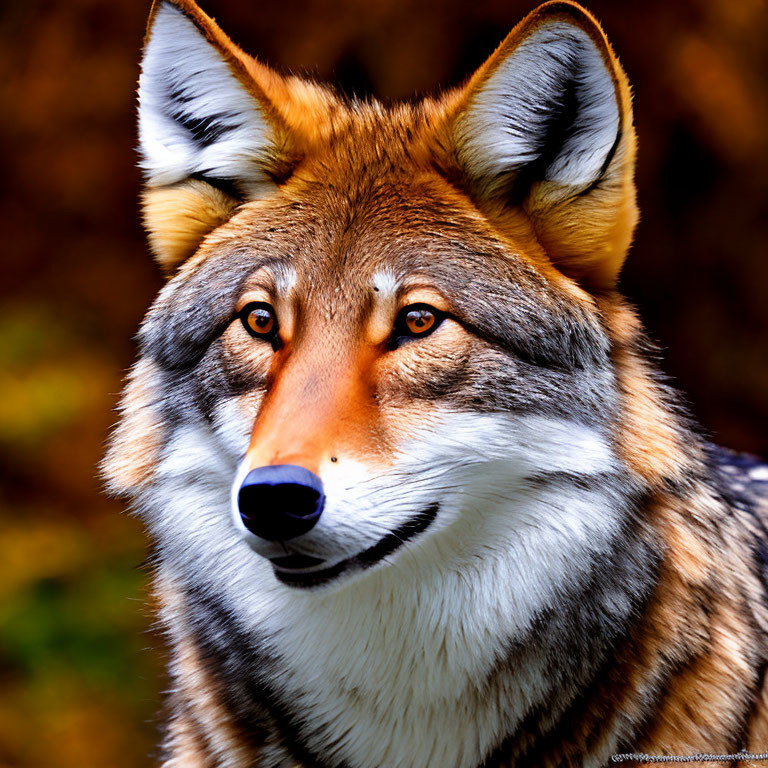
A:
{"x":367,"y":558}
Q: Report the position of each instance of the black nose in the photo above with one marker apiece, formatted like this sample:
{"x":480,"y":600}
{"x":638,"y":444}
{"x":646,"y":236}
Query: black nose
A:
{"x":280,"y":502}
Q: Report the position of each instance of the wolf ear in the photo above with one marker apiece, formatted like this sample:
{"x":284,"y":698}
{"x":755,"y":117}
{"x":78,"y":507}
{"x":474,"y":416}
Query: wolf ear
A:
{"x":210,"y":135}
{"x":546,"y":124}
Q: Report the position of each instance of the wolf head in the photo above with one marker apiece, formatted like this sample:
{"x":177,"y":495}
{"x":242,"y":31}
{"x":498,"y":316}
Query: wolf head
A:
{"x":383,"y":346}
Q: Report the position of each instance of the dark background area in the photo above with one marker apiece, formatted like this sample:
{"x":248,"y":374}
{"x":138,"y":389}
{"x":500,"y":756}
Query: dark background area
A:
{"x":79,"y":674}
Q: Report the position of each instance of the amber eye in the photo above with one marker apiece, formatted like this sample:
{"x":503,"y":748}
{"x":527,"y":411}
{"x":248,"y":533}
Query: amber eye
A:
{"x":259,"y":320}
{"x":420,"y":321}
{"x":417,"y":320}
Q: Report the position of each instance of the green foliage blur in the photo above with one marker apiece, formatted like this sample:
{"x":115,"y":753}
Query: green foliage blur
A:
{"x":77,"y":686}
{"x":80,"y":668}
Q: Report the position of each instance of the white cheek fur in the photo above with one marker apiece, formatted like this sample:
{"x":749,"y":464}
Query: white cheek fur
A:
{"x":418,"y":633}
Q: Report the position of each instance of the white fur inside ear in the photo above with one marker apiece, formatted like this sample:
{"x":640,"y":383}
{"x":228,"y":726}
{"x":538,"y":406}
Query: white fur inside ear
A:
{"x":551,"y":102}
{"x":195,"y":117}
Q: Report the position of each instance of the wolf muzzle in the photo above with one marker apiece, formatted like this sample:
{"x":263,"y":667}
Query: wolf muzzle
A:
{"x":280,"y":502}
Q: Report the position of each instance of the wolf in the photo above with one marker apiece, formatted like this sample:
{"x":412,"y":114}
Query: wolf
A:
{"x":416,"y":492}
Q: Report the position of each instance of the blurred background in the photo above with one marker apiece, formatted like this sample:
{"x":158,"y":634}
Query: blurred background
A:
{"x":80,"y":674}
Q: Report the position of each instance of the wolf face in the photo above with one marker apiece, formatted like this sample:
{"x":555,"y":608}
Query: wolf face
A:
{"x":344,"y":221}
{"x":391,"y":429}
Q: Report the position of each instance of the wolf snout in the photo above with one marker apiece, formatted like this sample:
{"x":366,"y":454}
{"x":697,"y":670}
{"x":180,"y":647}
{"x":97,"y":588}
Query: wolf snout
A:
{"x":280,"y":502}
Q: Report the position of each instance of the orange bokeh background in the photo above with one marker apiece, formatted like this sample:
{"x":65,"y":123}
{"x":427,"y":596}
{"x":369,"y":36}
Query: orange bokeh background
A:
{"x":80,"y":675}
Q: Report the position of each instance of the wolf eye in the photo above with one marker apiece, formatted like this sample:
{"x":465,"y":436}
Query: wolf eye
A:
{"x":259,"y":320}
{"x":415,"y":321}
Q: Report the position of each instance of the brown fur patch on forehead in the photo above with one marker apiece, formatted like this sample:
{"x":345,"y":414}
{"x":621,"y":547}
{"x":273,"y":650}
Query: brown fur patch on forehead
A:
{"x":377,"y":139}
{"x":496,"y":282}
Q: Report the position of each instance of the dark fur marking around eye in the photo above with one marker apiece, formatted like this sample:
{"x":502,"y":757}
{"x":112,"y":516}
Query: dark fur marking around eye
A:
{"x":184,"y":322}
